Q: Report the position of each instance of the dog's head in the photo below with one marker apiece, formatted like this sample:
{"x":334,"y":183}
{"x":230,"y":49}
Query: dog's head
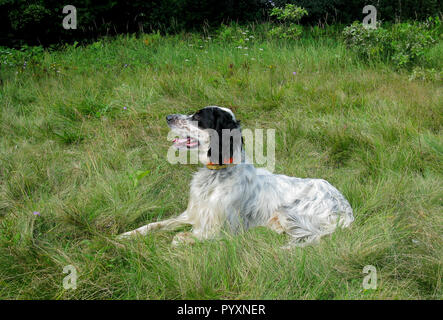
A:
{"x":213,"y":130}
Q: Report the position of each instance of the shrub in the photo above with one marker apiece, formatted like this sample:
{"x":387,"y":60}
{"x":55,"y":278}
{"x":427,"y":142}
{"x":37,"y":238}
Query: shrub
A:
{"x":401,"y":44}
{"x":326,"y":12}
{"x":423,"y":74}
{"x":283,"y":32}
{"x":36,"y":22}
{"x":289,"y":17}
{"x":30,"y":17}
{"x":23,"y":57}
{"x":39,"y":21}
{"x":290,"y":13}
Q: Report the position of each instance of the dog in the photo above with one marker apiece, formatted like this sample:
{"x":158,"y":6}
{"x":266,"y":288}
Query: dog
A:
{"x":234,"y":196}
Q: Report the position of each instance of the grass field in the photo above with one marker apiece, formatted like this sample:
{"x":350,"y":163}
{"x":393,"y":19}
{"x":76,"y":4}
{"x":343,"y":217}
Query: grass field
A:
{"x":79,"y":124}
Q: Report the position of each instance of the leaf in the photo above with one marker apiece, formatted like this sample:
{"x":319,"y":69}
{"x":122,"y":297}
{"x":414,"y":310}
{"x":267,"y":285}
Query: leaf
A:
{"x":17,"y":238}
{"x":138,"y":175}
{"x":141,"y":174}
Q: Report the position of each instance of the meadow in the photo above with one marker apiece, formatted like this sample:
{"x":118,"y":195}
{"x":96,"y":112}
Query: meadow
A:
{"x":83,"y":158}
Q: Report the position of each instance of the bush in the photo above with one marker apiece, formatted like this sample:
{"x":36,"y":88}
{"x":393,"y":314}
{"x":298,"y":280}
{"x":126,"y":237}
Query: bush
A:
{"x":24,"y":57}
{"x":283,"y":32}
{"x":289,"y":17}
{"x":324,"y":12}
{"x":40,"y":21}
{"x":290,"y":13}
{"x":401,"y":44}
{"x":423,"y":74}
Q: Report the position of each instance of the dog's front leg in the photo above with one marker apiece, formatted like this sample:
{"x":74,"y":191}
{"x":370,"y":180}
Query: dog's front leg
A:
{"x":169,"y":224}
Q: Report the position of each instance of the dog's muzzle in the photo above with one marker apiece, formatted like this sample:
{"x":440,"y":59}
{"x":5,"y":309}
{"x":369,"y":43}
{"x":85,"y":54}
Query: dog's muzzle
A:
{"x":185,"y":141}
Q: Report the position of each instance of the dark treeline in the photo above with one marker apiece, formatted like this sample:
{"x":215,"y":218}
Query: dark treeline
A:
{"x":40,"y":21}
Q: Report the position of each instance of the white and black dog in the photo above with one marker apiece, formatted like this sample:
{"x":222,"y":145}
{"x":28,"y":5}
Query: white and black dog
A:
{"x":234,"y":195}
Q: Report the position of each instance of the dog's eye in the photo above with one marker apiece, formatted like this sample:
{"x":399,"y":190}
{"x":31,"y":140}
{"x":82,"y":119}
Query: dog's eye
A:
{"x":196,"y":117}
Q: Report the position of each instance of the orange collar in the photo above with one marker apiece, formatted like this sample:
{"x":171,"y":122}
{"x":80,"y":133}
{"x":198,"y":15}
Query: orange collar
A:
{"x":214,"y":166}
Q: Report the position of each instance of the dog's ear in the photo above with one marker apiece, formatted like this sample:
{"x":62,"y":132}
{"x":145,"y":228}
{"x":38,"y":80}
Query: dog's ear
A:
{"x":223,"y":120}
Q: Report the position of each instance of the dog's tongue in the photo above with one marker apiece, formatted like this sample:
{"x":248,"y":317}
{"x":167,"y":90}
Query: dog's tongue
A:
{"x":191,"y":142}
{"x":181,"y":141}
{"x":185,"y":142}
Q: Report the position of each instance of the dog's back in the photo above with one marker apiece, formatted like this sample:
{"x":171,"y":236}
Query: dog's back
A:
{"x":246,"y":197}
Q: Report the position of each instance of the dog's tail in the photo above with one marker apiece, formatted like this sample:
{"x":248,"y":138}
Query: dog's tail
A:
{"x":306,"y":229}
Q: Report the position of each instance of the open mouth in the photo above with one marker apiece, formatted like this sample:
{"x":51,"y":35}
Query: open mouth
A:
{"x":188,"y":143}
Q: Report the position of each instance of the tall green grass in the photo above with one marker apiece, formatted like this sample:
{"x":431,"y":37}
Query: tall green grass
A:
{"x":78,"y":124}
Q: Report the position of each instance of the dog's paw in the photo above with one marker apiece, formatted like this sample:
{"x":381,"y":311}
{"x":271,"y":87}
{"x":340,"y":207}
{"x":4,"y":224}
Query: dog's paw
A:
{"x":140,"y":231}
{"x":287,"y":247}
{"x":124,"y":236}
{"x":183,"y":238}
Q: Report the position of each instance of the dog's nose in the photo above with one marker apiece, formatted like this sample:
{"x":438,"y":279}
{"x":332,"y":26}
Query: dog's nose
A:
{"x":169,"y":117}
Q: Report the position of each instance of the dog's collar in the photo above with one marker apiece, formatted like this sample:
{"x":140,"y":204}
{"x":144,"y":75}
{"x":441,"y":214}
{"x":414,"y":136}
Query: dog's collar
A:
{"x":214,"y":166}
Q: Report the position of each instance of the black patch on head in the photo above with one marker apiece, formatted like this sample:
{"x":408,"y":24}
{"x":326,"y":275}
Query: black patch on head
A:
{"x":218,"y":119}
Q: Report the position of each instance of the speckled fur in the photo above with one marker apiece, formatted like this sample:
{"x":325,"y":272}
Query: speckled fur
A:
{"x":241,"y":197}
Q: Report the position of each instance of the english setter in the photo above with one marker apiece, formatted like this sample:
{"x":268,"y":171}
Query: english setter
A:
{"x":234,"y":195}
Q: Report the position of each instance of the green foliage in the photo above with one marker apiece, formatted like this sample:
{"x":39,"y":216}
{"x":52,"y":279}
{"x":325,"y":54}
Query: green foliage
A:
{"x":38,"y":22}
{"x":290,"y":13}
{"x":289,"y":17}
{"x":30,"y":16}
{"x":240,"y":36}
{"x":403,"y":44}
{"x":286,"y":32}
{"x":138,"y":175}
{"x":426,"y":74}
{"x":13,"y":57}
{"x":326,"y":12}
{"x":26,"y":60}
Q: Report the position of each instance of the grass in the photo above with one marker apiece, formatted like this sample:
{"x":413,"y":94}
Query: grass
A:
{"x":70,"y":151}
